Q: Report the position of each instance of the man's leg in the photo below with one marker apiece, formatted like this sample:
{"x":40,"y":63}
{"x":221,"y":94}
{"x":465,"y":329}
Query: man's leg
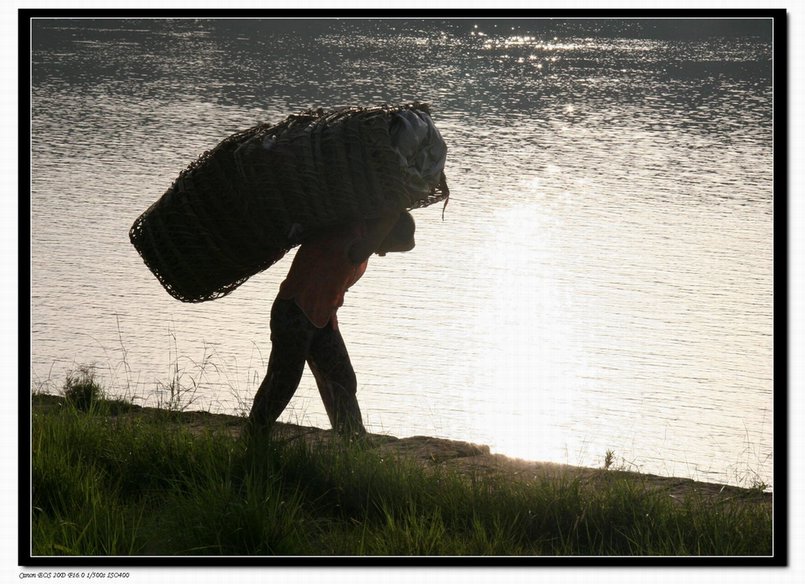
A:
{"x":291,"y":336}
{"x":329,"y":361}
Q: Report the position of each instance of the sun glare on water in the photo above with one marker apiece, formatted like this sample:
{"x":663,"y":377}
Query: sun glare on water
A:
{"x":527,"y":356}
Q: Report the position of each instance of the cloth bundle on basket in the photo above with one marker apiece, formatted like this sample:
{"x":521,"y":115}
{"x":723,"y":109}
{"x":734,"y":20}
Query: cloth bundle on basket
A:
{"x":242,"y":205}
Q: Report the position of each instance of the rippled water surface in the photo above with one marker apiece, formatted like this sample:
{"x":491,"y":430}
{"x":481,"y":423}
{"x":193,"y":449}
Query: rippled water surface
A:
{"x":601,"y":279}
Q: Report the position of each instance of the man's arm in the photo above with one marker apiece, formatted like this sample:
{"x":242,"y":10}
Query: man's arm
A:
{"x":376,"y":232}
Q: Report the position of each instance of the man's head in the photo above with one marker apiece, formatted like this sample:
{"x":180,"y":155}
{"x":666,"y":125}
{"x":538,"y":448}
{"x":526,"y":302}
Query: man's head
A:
{"x":401,"y":236}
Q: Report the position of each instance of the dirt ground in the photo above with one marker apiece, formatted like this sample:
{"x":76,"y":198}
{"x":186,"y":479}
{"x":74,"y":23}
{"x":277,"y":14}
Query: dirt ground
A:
{"x":472,"y":460}
{"x":477,"y":462}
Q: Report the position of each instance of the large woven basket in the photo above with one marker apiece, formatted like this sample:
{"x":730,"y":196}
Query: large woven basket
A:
{"x":242,"y":205}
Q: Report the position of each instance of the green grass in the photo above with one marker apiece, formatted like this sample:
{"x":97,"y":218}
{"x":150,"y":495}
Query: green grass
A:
{"x":105,"y":484}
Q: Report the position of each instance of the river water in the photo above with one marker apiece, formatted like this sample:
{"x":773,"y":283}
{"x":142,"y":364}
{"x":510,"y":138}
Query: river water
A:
{"x":601,"y":279}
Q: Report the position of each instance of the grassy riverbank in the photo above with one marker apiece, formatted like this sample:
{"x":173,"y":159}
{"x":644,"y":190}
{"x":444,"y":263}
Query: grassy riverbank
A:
{"x":110,"y":478}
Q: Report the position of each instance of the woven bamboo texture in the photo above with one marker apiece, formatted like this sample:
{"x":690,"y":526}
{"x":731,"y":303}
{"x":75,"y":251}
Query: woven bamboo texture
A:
{"x":241,"y":206}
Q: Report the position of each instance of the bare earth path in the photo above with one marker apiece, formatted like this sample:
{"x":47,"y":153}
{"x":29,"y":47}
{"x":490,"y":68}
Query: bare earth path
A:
{"x":472,"y":460}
